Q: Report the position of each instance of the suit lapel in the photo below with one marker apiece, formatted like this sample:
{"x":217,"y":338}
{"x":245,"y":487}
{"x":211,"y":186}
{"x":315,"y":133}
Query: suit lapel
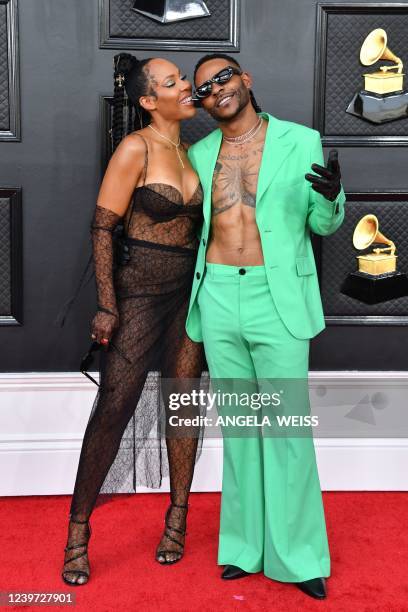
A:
{"x":207,"y":176}
{"x":276,"y":150}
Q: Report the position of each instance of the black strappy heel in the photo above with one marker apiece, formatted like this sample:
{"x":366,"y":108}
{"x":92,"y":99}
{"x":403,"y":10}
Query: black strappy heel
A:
{"x":79,"y":572}
{"x":163,"y":552}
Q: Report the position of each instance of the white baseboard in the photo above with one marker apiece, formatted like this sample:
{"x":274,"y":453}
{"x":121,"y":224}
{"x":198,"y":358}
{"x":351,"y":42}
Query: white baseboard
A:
{"x":43,"y":417}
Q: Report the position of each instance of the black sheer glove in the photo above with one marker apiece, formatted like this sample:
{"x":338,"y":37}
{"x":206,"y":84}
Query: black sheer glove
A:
{"x":328,"y":183}
{"x":106,"y":319}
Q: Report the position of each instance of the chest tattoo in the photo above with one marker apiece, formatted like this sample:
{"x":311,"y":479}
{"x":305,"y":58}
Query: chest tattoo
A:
{"x":235,"y":179}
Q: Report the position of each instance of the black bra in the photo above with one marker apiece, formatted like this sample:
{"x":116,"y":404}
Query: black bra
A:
{"x":163,"y":202}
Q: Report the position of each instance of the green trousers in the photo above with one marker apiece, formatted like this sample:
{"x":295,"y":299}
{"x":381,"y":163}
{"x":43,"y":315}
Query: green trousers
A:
{"x":272,"y":516}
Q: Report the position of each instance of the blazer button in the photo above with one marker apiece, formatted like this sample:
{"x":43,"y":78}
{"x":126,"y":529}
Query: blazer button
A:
{"x":198,"y":275}
{"x":242,"y":271}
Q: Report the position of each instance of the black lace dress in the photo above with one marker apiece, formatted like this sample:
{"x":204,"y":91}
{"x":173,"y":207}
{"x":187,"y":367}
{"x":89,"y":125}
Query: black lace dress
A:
{"x":128,"y":433}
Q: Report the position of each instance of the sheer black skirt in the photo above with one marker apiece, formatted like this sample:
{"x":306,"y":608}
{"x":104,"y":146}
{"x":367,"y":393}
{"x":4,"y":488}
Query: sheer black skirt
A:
{"x":128,"y":440}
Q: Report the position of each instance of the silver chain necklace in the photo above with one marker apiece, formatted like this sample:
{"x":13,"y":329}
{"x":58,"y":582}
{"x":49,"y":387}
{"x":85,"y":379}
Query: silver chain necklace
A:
{"x":251,"y":133}
{"x":175,"y":144}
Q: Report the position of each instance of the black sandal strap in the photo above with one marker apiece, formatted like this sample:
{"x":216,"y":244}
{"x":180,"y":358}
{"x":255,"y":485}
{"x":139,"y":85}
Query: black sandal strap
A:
{"x":75,"y":546}
{"x":77,"y":520}
{"x":163,"y":552}
{"x":82,"y":523}
{"x":166,"y":520}
{"x":167,"y":535}
{"x":180,"y":531}
{"x":80,"y":572}
{"x":75,"y":558}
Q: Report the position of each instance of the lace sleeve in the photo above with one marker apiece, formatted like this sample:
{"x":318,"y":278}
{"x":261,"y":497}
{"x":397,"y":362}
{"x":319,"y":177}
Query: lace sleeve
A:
{"x":103,"y":224}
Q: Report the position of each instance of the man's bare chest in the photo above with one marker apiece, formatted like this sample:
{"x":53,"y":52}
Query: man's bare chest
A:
{"x":235,"y":178}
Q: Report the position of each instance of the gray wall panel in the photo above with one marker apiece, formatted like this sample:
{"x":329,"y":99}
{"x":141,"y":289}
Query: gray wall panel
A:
{"x":63,"y":74}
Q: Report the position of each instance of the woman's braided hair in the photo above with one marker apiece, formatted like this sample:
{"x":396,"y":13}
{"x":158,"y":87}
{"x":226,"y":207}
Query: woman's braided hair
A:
{"x":130,"y":83}
{"x":231,"y":60}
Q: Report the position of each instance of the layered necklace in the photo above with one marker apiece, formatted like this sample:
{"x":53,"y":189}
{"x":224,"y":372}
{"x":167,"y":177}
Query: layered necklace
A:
{"x":175,"y":144}
{"x":251,"y":133}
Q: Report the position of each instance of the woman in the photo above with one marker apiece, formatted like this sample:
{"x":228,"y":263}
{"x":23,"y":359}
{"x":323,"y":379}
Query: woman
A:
{"x":142,"y":305}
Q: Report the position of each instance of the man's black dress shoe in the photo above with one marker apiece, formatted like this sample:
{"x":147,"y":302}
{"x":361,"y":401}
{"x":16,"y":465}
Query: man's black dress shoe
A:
{"x":316,"y":587}
{"x":231,"y":572}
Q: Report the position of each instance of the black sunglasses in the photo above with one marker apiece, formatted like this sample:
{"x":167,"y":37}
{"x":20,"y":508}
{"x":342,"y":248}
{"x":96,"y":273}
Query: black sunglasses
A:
{"x":222,"y":77}
{"x":88,"y":358}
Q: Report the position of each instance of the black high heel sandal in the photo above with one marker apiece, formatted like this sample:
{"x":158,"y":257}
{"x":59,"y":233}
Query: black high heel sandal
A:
{"x":78,"y":572}
{"x":162,"y":552}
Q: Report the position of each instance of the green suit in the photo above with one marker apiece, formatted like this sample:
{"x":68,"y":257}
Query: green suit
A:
{"x":286,"y":209}
{"x":256,"y":323}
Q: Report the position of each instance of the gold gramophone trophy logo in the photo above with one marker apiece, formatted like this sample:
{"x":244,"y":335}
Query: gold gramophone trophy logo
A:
{"x":377,"y":279}
{"x":169,"y":11}
{"x":383,"y":98}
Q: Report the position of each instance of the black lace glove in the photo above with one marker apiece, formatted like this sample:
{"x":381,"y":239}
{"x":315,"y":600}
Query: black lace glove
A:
{"x":328,"y":183}
{"x":106,"y":319}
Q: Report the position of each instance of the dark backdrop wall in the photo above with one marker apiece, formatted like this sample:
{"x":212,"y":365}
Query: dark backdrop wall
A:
{"x":57,"y":163}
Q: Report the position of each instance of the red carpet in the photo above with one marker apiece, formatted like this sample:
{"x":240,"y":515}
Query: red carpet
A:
{"x":368,"y":539}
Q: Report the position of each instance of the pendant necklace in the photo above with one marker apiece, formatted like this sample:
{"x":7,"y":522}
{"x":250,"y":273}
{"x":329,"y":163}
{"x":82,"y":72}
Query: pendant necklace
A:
{"x":175,"y":144}
{"x":251,"y":133}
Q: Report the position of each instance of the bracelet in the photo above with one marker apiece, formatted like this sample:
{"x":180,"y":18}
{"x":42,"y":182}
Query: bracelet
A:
{"x":100,"y":227}
{"x":101,"y":308}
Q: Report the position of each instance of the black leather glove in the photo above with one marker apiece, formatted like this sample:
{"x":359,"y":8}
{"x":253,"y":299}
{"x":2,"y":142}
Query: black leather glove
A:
{"x":328,"y":183}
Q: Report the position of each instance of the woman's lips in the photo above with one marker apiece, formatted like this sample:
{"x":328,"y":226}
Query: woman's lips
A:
{"x":188,"y":100}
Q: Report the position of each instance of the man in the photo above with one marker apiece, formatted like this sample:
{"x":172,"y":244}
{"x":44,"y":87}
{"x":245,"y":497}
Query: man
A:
{"x":255,"y":304}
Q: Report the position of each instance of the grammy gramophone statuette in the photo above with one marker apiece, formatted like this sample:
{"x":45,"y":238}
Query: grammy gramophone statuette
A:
{"x":377,"y":279}
{"x":169,"y":11}
{"x":383,"y":98}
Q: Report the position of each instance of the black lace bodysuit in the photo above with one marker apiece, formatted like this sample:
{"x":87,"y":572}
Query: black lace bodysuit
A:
{"x":123,"y":441}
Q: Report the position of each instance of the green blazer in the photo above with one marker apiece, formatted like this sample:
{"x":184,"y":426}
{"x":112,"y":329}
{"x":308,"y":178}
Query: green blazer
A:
{"x":287,"y":210}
